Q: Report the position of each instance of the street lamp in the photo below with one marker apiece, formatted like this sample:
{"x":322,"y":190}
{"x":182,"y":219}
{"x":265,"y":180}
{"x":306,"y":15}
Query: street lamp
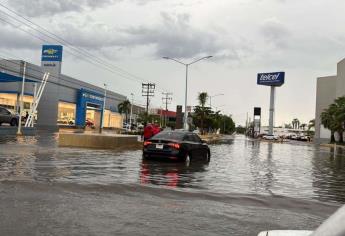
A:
{"x":130,"y":116}
{"x":186,"y":92}
{"x":103,"y":111}
{"x":220,"y":94}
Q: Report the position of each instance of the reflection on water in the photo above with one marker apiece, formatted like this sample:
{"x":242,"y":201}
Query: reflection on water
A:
{"x":171,"y":174}
{"x":237,"y":165}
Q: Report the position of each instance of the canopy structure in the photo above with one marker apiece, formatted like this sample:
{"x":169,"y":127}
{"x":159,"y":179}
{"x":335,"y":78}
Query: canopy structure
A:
{"x":6,"y":78}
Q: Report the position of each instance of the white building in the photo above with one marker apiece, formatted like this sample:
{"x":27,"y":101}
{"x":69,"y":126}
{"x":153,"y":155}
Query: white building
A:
{"x":328,"y":89}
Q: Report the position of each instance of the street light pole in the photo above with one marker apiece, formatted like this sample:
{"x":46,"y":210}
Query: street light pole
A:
{"x":130,"y":116}
{"x":185,"y":118}
{"x":103,"y":111}
{"x":220,"y":94}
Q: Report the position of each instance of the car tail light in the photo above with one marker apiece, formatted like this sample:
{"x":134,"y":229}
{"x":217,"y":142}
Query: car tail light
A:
{"x":147,"y":143}
{"x":174,"y":145}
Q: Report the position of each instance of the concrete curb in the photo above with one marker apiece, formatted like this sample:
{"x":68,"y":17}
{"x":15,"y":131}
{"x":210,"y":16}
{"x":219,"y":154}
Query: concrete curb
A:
{"x":99,"y":141}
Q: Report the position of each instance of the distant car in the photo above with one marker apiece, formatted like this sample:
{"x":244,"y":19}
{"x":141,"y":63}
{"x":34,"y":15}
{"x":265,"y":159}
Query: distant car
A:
{"x":177,"y":145}
{"x":270,"y":137}
{"x":126,"y":126}
{"x":8,"y":116}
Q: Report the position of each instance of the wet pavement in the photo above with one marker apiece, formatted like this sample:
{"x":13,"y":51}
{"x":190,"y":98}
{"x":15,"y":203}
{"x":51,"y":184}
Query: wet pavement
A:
{"x":247,"y":187}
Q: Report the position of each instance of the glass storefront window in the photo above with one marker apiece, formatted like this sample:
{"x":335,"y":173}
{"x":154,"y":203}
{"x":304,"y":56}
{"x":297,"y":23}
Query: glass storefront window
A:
{"x":66,"y":113}
{"x":9,"y":100}
{"x":112,"y":119}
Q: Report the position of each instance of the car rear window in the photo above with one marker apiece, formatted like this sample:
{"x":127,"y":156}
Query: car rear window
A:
{"x":169,"y":135}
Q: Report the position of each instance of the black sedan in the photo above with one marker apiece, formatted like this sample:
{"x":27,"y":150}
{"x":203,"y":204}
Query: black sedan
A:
{"x":176,"y":145}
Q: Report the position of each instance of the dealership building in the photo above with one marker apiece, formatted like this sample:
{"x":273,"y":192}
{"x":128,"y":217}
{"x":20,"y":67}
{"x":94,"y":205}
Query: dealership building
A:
{"x":65,"y":101}
{"x":328,"y":89}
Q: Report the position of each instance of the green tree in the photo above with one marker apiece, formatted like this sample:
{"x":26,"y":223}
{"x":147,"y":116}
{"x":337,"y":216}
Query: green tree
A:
{"x":124,"y":107}
{"x":241,"y":130}
{"x":303,"y":126}
{"x":295,"y":123}
{"x":327,"y":120}
{"x":202,"y":98}
{"x":202,"y":117}
{"x":311,"y":124}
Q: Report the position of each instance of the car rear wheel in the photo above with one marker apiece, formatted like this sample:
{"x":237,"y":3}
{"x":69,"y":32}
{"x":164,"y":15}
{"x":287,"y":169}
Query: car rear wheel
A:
{"x":188,"y":159}
{"x":208,"y":156}
{"x":14,"y":122}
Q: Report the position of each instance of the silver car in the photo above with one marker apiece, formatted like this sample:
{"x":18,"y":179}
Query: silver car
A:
{"x":8,"y":116}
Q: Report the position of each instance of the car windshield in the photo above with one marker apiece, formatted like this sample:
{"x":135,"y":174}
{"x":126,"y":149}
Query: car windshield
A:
{"x":169,"y":135}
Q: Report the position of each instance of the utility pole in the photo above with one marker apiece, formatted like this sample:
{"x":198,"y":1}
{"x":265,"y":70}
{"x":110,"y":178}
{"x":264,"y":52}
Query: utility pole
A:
{"x":148,"y":90}
{"x":166,"y":100}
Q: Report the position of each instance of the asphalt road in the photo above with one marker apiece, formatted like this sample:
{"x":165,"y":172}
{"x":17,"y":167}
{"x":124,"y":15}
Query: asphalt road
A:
{"x":41,"y":208}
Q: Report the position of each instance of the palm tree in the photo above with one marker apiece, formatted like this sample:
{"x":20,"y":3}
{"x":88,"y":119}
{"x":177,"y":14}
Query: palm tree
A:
{"x":124,"y":107}
{"x":295,"y":123}
{"x":303,"y":125}
{"x":202,"y":97}
{"x":328,"y":122}
{"x":311,"y":124}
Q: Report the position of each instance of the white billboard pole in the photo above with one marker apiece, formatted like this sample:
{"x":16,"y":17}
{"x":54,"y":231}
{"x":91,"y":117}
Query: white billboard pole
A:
{"x":272,"y":103}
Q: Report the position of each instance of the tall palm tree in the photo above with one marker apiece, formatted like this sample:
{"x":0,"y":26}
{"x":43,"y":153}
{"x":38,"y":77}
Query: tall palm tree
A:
{"x":295,"y":123}
{"x":311,"y":124}
{"x":124,"y":107}
{"x":202,"y":97}
{"x":327,"y":121}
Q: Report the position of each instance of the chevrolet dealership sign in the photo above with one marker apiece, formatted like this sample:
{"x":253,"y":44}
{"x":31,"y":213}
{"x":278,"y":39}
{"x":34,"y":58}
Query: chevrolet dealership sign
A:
{"x":51,"y":53}
{"x":271,"y":79}
{"x":51,"y":58}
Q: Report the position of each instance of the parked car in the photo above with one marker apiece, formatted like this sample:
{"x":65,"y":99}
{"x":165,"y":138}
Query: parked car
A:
{"x":126,"y":126}
{"x":270,"y":137}
{"x":8,"y":116}
{"x":177,"y":145}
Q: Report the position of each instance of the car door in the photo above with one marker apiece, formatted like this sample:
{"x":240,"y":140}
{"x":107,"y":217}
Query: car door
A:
{"x":201,"y":147}
{"x":3,"y":115}
{"x":188,"y":141}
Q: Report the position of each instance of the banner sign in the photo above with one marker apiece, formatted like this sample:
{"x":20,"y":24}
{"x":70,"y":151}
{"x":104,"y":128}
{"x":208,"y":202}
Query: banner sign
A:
{"x":271,"y":79}
{"x":52,"y":53}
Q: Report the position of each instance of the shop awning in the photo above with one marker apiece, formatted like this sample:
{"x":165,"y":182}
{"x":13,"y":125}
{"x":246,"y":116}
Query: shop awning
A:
{"x":6,"y":78}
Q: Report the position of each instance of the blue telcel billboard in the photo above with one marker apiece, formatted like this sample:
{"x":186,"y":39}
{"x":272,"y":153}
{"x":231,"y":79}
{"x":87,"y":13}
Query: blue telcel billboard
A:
{"x":271,"y":79}
{"x":52,"y":53}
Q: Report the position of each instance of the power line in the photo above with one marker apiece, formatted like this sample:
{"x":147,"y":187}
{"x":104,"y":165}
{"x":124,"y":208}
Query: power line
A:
{"x":86,"y":55}
{"x":67,"y":44}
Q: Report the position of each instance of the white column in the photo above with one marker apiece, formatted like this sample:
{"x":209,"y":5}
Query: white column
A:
{"x":272,"y":103}
{"x":19,"y":131}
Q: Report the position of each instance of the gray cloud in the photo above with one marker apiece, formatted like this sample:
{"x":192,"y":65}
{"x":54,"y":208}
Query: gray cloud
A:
{"x":275,"y":32}
{"x":13,"y":38}
{"x":37,"y":8}
{"x":173,"y":36}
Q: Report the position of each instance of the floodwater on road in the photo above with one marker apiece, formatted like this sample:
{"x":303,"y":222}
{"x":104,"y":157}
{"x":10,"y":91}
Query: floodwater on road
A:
{"x":248,"y":186}
{"x":237,"y":166}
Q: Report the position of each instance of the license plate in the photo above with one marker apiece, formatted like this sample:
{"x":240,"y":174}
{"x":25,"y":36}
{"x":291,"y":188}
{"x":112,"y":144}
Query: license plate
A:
{"x":159,"y":146}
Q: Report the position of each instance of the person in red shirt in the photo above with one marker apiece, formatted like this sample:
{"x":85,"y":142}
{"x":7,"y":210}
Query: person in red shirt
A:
{"x":148,"y":131}
{"x":156,"y":129}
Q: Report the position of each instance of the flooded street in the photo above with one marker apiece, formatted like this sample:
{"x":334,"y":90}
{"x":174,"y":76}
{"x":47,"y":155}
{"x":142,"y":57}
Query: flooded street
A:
{"x":248,"y":186}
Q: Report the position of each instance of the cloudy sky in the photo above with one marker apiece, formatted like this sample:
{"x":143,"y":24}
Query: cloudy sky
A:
{"x":304,"y":38}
